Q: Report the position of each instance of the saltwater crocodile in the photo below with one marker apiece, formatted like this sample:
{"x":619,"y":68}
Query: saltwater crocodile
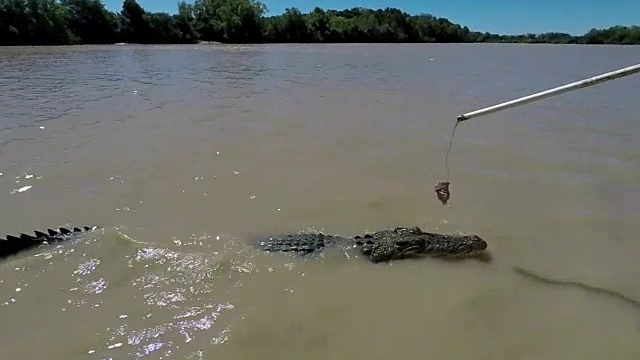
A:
{"x":15,"y":244}
{"x":378,"y":246}
{"x":383,"y":245}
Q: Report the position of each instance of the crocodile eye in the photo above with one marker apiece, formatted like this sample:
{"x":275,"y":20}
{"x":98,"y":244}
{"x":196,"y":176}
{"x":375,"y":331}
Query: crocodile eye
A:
{"x":369,"y":242}
{"x":402,"y":243}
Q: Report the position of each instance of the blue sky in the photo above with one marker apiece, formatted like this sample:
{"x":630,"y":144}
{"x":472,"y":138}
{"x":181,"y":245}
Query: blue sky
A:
{"x":497,"y":16}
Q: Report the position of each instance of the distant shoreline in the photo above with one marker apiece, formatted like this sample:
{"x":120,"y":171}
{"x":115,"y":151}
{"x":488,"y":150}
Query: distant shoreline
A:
{"x":243,"y":22}
{"x":225,"y":45}
{"x":222,"y":44}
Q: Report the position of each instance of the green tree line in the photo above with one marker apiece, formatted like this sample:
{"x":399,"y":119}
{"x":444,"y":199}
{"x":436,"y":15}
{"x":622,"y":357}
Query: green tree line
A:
{"x":66,"y":22}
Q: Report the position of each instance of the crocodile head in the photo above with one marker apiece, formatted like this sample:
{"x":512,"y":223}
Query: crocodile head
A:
{"x":455,"y":247}
{"x":402,"y":243}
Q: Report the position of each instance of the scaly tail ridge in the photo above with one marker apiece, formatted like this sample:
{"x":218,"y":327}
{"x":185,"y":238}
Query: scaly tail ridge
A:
{"x":12,"y":245}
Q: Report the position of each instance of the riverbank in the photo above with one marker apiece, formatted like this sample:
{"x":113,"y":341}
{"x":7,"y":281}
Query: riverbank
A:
{"x":244,"y":22}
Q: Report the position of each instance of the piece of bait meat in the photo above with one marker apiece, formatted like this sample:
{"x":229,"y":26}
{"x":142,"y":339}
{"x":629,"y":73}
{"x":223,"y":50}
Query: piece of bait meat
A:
{"x":442,"y":191}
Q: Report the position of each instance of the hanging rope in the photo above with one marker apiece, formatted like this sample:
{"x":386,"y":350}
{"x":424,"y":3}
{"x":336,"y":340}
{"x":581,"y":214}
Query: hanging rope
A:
{"x":442,"y":188}
{"x":446,"y":158}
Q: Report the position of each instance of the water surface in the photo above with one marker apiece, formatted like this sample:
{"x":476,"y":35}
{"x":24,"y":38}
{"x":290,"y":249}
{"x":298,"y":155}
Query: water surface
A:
{"x":185,"y":153}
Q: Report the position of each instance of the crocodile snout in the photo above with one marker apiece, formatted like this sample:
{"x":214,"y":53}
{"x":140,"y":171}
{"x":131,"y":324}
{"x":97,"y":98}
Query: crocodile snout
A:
{"x":477,"y":243}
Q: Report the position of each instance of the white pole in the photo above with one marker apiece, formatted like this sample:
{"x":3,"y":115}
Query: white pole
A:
{"x":552,"y":92}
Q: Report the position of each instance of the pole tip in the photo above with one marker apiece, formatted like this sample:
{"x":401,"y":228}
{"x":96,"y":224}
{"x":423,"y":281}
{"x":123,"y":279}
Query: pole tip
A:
{"x":461,"y":118}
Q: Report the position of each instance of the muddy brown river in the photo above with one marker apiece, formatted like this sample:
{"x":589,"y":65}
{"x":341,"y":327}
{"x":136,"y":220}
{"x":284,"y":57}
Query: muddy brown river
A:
{"x":184,"y":154}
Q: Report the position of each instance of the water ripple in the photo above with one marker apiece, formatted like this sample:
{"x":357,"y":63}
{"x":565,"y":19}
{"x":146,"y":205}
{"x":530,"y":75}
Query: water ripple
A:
{"x":177,"y":301}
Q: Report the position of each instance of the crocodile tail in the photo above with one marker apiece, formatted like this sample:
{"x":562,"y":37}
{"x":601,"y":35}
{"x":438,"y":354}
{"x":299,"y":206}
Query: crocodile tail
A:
{"x":12,"y":245}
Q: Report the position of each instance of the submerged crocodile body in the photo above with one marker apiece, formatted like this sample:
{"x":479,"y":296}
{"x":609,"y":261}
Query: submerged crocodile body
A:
{"x":13,"y":245}
{"x":381,"y":246}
